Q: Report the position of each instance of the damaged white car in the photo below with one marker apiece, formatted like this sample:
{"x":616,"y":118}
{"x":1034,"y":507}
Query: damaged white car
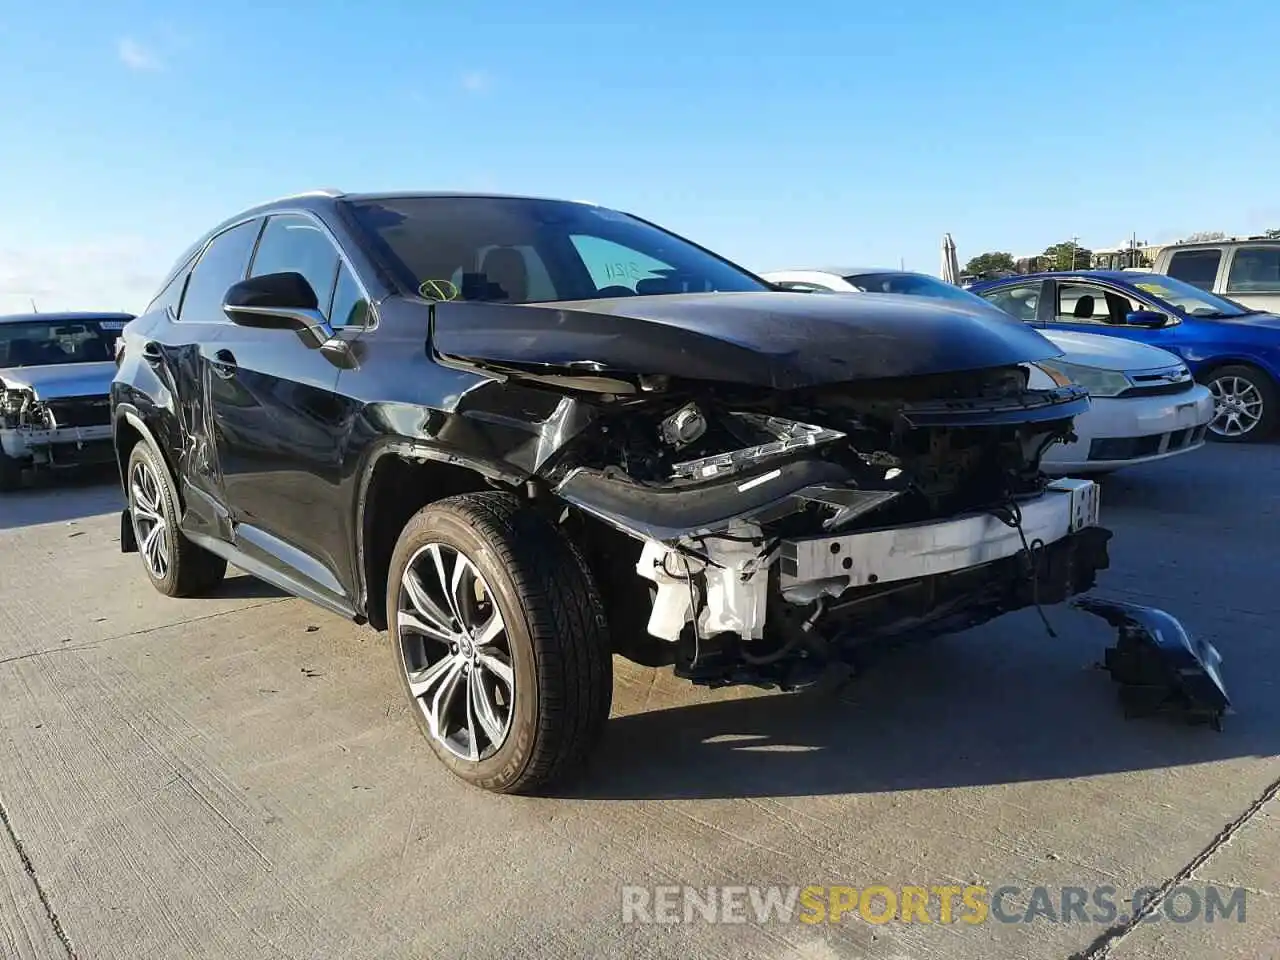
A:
{"x":55,"y":376}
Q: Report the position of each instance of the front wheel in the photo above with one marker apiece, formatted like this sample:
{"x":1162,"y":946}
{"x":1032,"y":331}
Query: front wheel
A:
{"x":499,"y":640}
{"x":1244,"y":404}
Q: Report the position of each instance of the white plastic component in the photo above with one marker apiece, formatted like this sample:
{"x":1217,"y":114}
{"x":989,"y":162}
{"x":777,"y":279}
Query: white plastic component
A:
{"x":672,"y":608}
{"x":737,"y":584}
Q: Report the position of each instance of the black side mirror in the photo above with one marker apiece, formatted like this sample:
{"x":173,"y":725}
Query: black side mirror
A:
{"x":1145,"y":318}
{"x":284,"y":301}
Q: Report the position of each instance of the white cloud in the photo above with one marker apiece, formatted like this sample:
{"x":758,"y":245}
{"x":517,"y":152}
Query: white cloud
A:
{"x":476,"y":81}
{"x":113,"y":273}
{"x":135,"y":56}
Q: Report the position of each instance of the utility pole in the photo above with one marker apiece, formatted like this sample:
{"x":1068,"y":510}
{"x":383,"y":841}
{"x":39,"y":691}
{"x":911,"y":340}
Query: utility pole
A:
{"x":34,"y":308}
{"x":1075,"y":242}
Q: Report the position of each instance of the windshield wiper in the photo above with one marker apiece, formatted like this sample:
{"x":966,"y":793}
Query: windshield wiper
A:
{"x":1221,"y":315}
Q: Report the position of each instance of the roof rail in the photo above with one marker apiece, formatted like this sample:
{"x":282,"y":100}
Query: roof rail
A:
{"x":321,"y":192}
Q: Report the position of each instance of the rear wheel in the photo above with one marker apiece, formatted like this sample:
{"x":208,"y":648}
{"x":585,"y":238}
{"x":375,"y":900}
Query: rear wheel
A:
{"x":1244,"y":404}
{"x":499,"y":641}
{"x":174,"y":565}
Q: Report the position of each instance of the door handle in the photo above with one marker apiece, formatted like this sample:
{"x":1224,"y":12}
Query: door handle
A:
{"x":224,"y":364}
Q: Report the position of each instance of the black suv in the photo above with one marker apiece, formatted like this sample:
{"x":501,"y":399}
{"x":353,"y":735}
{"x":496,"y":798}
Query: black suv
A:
{"x":525,"y":434}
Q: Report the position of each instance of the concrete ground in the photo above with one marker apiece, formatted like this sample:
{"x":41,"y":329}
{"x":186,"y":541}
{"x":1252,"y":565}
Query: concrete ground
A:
{"x":238,"y":777}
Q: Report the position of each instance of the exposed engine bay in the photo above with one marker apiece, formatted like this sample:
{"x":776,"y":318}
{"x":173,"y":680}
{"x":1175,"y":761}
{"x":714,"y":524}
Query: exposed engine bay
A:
{"x":775,"y":528}
{"x":754,"y":524}
{"x":55,"y":432}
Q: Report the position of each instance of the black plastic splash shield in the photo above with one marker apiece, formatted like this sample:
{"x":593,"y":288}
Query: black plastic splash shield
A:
{"x":1160,"y":667}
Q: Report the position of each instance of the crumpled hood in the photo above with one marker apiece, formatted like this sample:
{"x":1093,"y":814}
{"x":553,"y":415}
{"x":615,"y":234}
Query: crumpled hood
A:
{"x":1109,"y":353}
{"x":60,"y":380}
{"x":779,"y":340}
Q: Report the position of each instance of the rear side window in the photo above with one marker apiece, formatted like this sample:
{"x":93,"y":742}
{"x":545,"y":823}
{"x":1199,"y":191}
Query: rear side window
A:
{"x":222,"y":264}
{"x":1197,"y":267}
{"x":297,"y":244}
{"x":171,"y":295}
{"x":1255,"y":270}
{"x":1018,"y":301}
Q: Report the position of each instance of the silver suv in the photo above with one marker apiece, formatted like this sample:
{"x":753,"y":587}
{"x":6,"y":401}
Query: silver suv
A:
{"x":1247,"y":271}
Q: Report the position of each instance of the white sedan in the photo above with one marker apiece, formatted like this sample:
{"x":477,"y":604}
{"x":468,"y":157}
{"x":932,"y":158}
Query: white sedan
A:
{"x":1144,"y":404}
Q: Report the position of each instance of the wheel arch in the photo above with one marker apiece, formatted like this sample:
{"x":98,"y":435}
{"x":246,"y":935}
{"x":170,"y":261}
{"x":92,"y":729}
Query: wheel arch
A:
{"x":398,"y":480}
{"x":128,"y":428}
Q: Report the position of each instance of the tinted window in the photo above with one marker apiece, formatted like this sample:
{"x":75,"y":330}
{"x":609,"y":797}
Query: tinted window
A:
{"x":1018,"y":301}
{"x":486,"y":242}
{"x":350,"y":308}
{"x":296,"y":244}
{"x":222,"y":264}
{"x":1255,"y":270}
{"x":1196,"y":267}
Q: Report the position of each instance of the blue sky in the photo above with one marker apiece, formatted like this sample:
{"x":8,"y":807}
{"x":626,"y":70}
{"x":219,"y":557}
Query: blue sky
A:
{"x":778,"y":134}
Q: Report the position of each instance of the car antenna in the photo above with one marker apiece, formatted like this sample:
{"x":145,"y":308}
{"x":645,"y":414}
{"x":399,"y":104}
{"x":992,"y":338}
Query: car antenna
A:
{"x":34,"y":308}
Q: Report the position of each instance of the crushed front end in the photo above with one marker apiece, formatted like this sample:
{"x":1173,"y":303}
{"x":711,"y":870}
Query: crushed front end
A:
{"x":55,"y":432}
{"x":777,"y":531}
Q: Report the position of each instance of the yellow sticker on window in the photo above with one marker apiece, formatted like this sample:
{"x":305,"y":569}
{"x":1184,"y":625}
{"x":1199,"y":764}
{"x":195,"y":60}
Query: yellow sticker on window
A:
{"x":444,"y":290}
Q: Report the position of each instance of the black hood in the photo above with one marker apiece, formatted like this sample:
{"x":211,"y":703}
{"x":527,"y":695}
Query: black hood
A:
{"x":780,"y":340}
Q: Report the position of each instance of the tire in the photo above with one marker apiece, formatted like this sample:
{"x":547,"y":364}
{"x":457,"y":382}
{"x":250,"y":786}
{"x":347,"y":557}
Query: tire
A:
{"x":553,"y":642}
{"x":10,"y":473}
{"x":187,"y":570}
{"x":1250,"y":387}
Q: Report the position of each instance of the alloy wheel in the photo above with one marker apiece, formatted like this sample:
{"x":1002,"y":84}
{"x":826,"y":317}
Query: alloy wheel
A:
{"x":1237,"y":406}
{"x":146,"y":504}
{"x":455,"y":652}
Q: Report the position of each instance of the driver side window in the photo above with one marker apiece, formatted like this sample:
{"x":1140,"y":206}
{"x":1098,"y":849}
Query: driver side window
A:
{"x":1090,"y":303}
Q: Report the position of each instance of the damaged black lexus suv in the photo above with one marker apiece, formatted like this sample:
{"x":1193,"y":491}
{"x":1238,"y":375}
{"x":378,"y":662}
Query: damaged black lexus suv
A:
{"x":522,"y":435}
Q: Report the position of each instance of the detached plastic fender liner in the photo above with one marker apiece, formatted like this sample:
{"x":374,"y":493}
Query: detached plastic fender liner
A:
{"x":1161,"y":668}
{"x":668,"y":512}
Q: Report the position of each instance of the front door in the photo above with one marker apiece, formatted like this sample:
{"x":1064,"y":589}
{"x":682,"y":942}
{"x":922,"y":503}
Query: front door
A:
{"x":281,"y":423}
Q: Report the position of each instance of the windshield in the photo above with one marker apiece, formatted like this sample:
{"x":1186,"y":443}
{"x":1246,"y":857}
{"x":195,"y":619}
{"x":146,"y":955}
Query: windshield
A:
{"x":916,"y":285}
{"x":533,"y":251}
{"x":1189,"y":299}
{"x":39,"y":343}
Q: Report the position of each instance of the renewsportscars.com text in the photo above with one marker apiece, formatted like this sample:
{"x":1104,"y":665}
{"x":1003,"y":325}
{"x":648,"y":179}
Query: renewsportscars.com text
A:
{"x":934,"y":903}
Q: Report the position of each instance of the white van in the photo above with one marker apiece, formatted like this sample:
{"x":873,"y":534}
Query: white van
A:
{"x":1246,"y":271}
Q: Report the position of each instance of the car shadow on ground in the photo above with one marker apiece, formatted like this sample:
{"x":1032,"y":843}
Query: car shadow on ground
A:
{"x":242,"y":586}
{"x":61,"y":497}
{"x":995,"y":706}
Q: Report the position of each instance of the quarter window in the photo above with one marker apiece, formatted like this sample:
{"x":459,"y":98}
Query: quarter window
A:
{"x":350,"y":308}
{"x":1255,"y":270}
{"x":1197,"y":267}
{"x":1019,"y":300}
{"x":222,"y":264}
{"x":296,"y":244}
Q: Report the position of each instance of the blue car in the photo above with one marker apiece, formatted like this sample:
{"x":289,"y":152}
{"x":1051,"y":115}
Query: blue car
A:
{"x":1231,"y":349}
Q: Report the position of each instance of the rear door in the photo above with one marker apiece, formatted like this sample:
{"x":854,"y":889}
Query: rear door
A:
{"x":178,"y":351}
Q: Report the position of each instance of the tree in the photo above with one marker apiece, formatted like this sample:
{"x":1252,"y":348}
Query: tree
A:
{"x":1068,"y":255}
{"x":988,"y":263}
{"x":1205,"y":235}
